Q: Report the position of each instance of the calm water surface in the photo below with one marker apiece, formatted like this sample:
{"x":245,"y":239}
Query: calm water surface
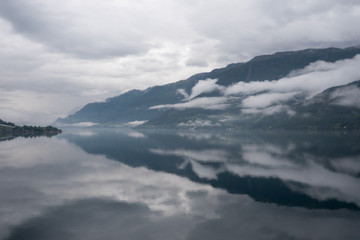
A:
{"x":124,"y":184}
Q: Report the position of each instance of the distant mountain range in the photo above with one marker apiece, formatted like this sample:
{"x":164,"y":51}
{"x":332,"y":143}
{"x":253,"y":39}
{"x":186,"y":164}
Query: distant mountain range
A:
{"x":307,"y":89}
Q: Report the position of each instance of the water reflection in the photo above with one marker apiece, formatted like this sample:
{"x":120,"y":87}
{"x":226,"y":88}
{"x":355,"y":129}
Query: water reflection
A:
{"x":171,"y":185}
{"x":292,"y":169}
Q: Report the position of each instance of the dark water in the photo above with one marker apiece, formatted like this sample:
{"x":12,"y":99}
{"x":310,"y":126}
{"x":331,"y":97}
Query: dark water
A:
{"x":122,"y":184}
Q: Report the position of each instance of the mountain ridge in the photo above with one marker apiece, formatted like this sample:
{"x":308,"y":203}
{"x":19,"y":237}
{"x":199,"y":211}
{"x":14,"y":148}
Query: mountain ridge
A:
{"x":157,"y":103}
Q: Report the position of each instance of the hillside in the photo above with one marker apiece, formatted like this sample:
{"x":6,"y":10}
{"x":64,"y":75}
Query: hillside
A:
{"x":269,"y":91}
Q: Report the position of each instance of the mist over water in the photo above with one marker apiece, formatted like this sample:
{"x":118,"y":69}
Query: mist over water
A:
{"x":106,"y":184}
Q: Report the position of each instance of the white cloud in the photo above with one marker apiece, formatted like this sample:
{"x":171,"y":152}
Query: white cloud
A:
{"x":269,"y":97}
{"x":316,"y":78}
{"x":134,"y":123}
{"x":347,"y":96}
{"x":267,"y":103}
{"x":266,"y":99}
{"x":270,"y":110}
{"x":183,"y":93}
{"x":210,"y":103}
{"x":205,"y":86}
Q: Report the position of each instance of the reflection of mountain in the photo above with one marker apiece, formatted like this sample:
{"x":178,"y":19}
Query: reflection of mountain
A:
{"x":270,"y":91}
{"x":9,"y":130}
{"x":312,"y":171}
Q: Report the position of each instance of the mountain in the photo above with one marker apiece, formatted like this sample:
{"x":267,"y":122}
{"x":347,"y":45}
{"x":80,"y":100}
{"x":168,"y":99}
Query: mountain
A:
{"x":292,"y":90}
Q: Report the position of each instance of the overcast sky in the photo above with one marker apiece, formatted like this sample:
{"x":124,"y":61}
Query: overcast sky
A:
{"x":56,"y":56}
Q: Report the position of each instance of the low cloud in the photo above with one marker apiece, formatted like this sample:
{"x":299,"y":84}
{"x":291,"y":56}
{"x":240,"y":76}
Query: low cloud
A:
{"x":269,"y":97}
{"x":209,"y":103}
{"x":313,"y":79}
{"x":266,"y":99}
{"x":205,"y":86}
{"x":269,"y":110}
{"x":268,"y":103}
{"x":348,"y":96}
{"x":183,"y":93}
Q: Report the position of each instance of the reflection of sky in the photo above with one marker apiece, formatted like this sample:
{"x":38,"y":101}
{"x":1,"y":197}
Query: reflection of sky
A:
{"x":259,"y":159}
{"x":50,"y":187}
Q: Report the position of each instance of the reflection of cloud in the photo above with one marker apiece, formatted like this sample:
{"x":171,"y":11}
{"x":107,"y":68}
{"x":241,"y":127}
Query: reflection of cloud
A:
{"x":209,"y":155}
{"x":240,"y":222}
{"x":196,"y":135}
{"x":118,"y":220}
{"x":268,"y":160}
{"x":53,"y":173}
{"x":256,"y":156}
{"x":195,"y":157}
{"x":349,"y":165}
{"x":198,"y":123}
{"x":134,"y":123}
{"x":84,"y":133}
{"x":312,"y":175}
{"x":136,"y":134}
{"x":267,"y":155}
{"x":48,"y":172}
{"x":80,"y":124}
{"x":203,"y":171}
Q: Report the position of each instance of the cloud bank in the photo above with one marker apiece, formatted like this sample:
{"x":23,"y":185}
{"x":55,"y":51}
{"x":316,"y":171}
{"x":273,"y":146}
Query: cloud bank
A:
{"x":88,"y":50}
{"x":269,"y":97}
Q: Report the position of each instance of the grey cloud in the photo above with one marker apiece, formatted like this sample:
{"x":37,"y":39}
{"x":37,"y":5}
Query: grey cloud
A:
{"x":198,"y":62}
{"x":103,"y":48}
{"x":62,"y":28}
{"x":282,"y":25}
